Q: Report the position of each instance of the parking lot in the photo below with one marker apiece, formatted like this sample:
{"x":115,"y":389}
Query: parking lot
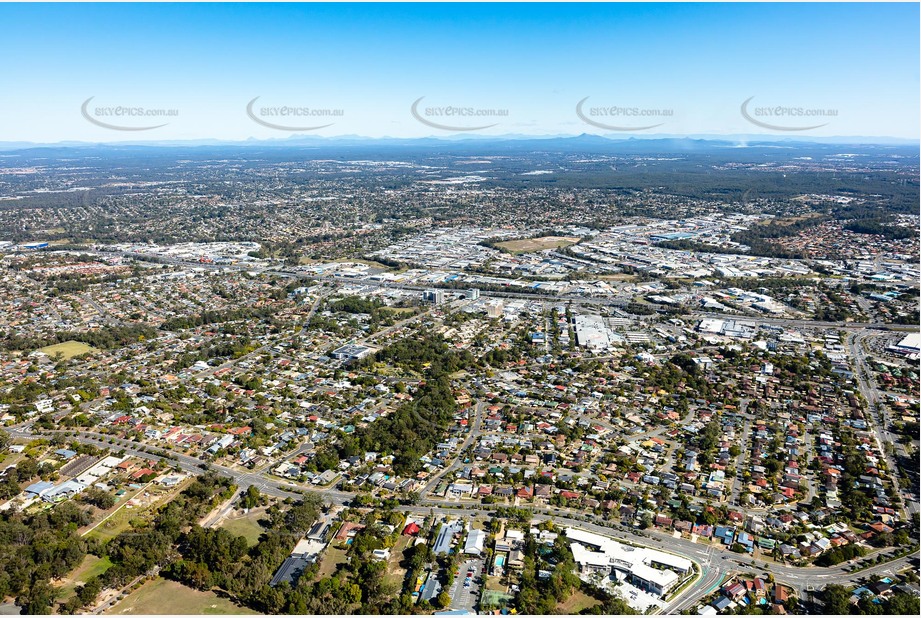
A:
{"x":464,"y":594}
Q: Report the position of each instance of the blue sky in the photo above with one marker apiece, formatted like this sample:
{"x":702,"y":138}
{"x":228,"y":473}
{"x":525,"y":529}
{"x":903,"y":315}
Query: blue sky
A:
{"x":692,"y":65}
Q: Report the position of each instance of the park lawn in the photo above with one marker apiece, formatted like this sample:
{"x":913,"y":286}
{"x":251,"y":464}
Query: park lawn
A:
{"x":68,"y":349}
{"x":91,"y":566}
{"x":576,"y":602}
{"x":530,"y":245}
{"x":164,"y":597}
{"x":247,"y":526}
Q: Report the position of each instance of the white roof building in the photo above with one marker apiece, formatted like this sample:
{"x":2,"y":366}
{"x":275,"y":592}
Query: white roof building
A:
{"x":657,"y":571}
{"x":657,"y":579}
{"x":476,"y":542}
{"x":910,"y":343}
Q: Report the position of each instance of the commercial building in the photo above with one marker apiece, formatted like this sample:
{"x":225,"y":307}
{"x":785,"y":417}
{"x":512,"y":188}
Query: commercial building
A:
{"x":476,"y":542}
{"x":433,"y":296}
{"x":910,"y":344}
{"x":446,"y":537}
{"x":351,"y":352}
{"x":653,"y":581}
{"x":654,"y":571}
{"x":591,"y":332}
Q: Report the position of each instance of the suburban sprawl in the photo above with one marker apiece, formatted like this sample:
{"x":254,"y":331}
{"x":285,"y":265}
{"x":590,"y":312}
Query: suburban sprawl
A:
{"x":419,"y":380}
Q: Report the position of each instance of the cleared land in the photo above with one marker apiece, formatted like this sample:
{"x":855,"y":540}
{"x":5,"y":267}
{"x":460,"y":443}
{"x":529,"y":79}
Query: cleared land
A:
{"x":136,"y":507}
{"x":90,"y":567}
{"x":246,"y":526}
{"x":618,"y":277}
{"x":330,"y":561}
{"x":68,"y":349}
{"x":576,"y":602}
{"x":395,"y":574}
{"x":165,"y":597}
{"x":530,"y":245}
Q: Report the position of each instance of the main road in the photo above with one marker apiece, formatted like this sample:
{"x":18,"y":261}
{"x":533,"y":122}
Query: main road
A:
{"x":878,"y":421}
{"x":715,"y":562}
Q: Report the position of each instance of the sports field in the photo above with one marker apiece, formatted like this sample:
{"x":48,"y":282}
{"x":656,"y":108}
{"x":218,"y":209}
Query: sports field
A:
{"x":68,"y":349}
{"x":530,"y":245}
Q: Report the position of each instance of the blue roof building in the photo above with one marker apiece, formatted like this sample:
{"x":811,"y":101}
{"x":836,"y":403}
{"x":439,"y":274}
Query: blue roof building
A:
{"x":39,"y":489}
{"x":746,"y":540}
{"x":725,"y":533}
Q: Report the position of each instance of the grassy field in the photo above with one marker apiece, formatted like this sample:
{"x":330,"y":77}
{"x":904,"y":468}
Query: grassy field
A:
{"x":395,"y":574}
{"x":117,"y":523}
{"x":120,"y":518}
{"x":332,"y":558}
{"x":400,"y":310}
{"x":246,"y":526}
{"x":576,"y":603}
{"x":530,"y":245}
{"x":68,"y":349}
{"x":90,"y":567}
{"x":164,"y":597}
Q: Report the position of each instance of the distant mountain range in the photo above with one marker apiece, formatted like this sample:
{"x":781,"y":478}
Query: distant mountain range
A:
{"x":585,"y":141}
